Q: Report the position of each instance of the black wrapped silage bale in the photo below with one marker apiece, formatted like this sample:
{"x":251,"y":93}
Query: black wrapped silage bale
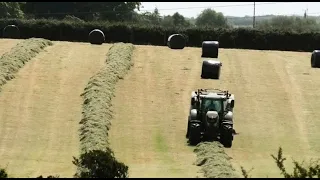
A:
{"x":96,"y":36}
{"x":210,"y":49}
{"x":176,"y":41}
{"x":315,"y":59}
{"x":11,"y":31}
{"x":211,"y":69}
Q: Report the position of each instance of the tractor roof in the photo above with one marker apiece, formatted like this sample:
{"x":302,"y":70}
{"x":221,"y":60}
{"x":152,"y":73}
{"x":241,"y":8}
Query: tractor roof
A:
{"x":214,"y":95}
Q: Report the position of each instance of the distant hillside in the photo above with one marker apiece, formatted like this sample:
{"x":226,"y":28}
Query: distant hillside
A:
{"x":247,"y":20}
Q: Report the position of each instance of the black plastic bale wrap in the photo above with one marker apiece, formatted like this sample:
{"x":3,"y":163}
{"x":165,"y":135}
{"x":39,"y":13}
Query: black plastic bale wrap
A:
{"x":96,"y":36}
{"x":211,"y":69}
{"x":315,"y":58}
{"x":11,"y":31}
{"x":176,"y":41}
{"x":210,"y":49}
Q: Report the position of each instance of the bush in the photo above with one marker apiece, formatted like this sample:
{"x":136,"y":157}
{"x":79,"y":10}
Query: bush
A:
{"x":3,"y":173}
{"x":243,"y":38}
{"x":312,"y":170}
{"x":73,"y":19}
{"x":50,"y":176}
{"x":99,"y":164}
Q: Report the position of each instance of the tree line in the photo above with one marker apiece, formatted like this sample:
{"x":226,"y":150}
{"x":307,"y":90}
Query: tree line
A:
{"x":129,"y":12}
{"x":107,"y":11}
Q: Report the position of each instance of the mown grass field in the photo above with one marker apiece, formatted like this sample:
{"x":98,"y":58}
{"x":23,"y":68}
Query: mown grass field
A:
{"x":41,"y":108}
{"x":276,"y":105}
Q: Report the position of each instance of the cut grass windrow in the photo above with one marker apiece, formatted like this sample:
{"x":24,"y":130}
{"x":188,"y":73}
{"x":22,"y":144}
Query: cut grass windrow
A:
{"x":98,"y":94}
{"x":12,"y":61}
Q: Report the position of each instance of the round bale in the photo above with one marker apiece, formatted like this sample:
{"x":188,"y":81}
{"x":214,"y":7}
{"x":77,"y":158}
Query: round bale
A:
{"x":211,"y":69}
{"x":11,"y":31}
{"x":176,"y":41}
{"x":210,"y":49}
{"x":315,"y":59}
{"x":96,"y":36}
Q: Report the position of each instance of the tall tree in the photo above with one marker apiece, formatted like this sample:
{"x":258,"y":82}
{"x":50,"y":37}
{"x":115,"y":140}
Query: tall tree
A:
{"x":49,"y":9}
{"x":167,"y":21}
{"x":211,"y":18}
{"x":153,"y":18}
{"x":290,"y":23}
{"x":11,"y":10}
{"x":179,"y":20}
{"x":113,"y":11}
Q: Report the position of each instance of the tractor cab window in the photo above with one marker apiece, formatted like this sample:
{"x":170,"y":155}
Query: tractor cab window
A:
{"x":212,"y":105}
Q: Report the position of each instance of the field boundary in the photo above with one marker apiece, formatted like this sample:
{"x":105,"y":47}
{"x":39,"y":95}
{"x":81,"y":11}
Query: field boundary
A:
{"x":236,"y":38}
{"x":18,"y":56}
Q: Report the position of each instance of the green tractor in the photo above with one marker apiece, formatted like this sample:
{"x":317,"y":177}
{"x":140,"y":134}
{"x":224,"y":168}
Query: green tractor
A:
{"x":211,"y":117}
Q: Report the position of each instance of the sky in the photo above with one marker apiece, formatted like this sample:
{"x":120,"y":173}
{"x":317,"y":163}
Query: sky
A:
{"x":192,"y":9}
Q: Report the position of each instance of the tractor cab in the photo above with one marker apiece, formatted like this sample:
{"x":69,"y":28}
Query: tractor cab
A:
{"x":211,"y":109}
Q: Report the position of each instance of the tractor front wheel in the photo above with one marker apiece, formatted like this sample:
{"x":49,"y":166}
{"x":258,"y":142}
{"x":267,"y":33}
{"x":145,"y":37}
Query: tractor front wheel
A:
{"x":187,"y":135}
{"x":194,"y":134}
{"x":226,"y":139}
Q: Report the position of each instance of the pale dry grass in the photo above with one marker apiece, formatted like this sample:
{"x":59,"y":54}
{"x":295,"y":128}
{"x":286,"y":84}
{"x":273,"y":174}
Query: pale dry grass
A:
{"x":276,"y":104}
{"x":151,"y":105}
{"x":7,"y":44}
{"x":41,"y":109}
